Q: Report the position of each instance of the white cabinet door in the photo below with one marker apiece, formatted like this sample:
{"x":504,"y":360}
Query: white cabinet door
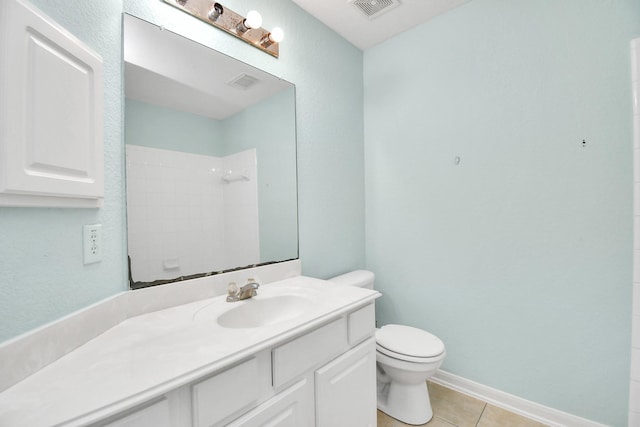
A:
{"x":346,"y":389}
{"x":291,"y":408}
{"x":51,"y":113}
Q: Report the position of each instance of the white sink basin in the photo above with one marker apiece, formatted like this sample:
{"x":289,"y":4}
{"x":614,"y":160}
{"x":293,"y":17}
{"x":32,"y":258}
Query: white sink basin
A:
{"x":263,"y":311}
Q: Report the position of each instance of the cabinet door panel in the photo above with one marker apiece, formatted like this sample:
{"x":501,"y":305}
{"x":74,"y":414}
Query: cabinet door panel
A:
{"x":51,"y":113}
{"x":346,"y":389}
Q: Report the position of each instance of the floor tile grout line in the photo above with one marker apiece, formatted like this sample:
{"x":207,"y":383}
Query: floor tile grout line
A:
{"x":481,"y":414}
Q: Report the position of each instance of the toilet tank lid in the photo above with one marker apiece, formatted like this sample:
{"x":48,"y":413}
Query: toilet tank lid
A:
{"x":361,"y":278}
{"x":409,"y":341}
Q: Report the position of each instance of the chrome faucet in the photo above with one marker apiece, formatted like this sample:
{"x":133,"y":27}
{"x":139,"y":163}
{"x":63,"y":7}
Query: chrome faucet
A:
{"x":245,"y":292}
{"x":248,"y":290}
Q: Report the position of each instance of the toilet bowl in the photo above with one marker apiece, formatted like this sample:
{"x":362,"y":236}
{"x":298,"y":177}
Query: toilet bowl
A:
{"x":405,"y":357}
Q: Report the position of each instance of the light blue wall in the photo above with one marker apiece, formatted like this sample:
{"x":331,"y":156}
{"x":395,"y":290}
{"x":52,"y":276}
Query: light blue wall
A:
{"x":154,"y":126}
{"x":519,"y":258}
{"x":42,"y":276}
{"x":41,"y":273}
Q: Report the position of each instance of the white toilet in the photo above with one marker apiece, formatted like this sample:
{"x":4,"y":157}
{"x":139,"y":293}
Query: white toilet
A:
{"x":406,"y":357}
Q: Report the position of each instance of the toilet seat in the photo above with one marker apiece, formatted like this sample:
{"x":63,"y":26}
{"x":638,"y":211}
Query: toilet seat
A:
{"x":408,"y":343}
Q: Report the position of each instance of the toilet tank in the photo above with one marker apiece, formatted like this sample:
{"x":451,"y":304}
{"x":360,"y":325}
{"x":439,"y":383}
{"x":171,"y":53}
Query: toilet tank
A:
{"x":360,"y":278}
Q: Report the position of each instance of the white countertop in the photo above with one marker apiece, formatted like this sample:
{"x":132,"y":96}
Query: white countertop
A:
{"x":148,"y":355}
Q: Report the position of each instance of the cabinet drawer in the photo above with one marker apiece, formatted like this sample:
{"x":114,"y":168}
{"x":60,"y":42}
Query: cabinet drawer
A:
{"x":225,"y":393}
{"x":292,"y":407}
{"x":303,"y":354}
{"x":362,"y":324}
{"x":156,"y":414}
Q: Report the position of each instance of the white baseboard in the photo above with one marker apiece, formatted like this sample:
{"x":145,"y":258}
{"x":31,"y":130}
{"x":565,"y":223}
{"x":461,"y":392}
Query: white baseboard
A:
{"x":543,"y":414}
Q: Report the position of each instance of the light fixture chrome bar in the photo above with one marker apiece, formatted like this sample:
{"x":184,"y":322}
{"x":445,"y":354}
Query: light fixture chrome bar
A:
{"x":213,"y":13}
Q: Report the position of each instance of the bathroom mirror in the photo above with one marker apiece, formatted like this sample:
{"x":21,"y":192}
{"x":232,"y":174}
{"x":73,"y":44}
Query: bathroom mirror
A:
{"x":210,"y":157}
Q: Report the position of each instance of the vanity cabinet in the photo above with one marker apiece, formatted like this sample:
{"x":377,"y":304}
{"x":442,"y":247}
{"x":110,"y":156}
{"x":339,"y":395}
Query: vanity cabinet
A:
{"x":323,"y":378}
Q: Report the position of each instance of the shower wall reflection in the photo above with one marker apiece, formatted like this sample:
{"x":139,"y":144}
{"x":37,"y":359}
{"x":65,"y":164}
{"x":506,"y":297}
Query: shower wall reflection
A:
{"x":191,"y":213}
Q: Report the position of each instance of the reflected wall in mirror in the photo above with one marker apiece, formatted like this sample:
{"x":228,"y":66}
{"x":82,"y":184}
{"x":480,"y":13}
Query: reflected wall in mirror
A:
{"x":211,"y":160}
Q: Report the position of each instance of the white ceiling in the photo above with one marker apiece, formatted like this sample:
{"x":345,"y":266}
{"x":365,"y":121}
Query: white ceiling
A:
{"x":347,"y":20}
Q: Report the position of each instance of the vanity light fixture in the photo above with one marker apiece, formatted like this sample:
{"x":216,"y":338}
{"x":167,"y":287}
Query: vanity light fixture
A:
{"x":247,"y":29}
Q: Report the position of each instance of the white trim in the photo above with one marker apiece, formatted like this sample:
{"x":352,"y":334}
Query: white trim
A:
{"x":535,"y":411}
{"x":634,"y":387}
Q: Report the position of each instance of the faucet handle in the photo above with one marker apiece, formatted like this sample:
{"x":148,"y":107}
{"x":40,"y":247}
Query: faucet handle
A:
{"x":232,"y":288}
{"x":232,"y":292}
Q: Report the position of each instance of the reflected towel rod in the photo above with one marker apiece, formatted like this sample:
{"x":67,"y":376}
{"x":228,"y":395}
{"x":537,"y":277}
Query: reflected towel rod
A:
{"x":233,"y":177}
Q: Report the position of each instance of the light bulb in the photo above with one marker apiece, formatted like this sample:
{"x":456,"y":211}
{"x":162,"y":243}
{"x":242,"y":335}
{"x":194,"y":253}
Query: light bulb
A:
{"x":276,"y":35}
{"x":253,"y":20}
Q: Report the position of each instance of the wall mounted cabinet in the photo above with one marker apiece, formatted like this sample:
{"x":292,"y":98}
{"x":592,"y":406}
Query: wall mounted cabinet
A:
{"x":322,"y":378}
{"x":51,"y":113}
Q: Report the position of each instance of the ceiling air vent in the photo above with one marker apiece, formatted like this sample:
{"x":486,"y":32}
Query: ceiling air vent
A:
{"x":243,"y":81}
{"x":374,"y":8}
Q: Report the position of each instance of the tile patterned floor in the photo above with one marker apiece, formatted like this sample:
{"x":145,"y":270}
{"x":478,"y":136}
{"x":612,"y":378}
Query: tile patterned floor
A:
{"x":453,"y":409}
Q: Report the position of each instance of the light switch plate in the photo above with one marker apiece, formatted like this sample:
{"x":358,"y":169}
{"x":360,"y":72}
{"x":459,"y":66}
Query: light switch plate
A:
{"x":92,"y":243}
